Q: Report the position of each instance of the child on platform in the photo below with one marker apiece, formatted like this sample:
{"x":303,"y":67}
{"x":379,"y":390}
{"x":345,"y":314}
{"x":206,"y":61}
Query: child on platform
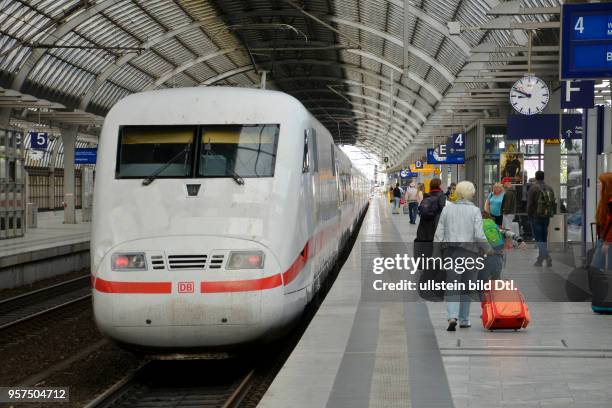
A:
{"x":493,"y":264}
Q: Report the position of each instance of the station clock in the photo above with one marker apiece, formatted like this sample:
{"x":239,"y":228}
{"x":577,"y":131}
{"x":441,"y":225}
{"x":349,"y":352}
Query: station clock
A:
{"x":529,"y":95}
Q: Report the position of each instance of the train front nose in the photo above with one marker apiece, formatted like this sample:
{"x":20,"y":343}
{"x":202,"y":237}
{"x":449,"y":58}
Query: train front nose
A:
{"x":188,"y":292}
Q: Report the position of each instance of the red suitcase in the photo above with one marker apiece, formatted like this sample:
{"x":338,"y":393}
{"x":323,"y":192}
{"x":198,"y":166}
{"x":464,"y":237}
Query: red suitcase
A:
{"x":504,"y":309}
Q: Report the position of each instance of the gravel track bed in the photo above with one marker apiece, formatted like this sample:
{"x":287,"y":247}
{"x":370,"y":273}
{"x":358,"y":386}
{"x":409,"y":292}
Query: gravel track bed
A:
{"x":34,"y":345}
{"x":9,"y":293}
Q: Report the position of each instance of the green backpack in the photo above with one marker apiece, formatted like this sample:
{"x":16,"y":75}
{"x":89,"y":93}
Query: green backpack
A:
{"x":493,"y":234}
{"x":546,"y":206}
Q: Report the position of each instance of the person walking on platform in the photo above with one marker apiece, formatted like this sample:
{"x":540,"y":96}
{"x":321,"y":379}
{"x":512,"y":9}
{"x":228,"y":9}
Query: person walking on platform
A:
{"x":397,"y":195}
{"x":450,"y":192}
{"x":541,"y":206}
{"x":508,"y":205}
{"x":460,"y":233}
{"x":420,"y":194}
{"x":603,"y":215}
{"x":497,"y":237}
{"x":493,"y":205}
{"x":412,"y":201}
{"x":429,"y":211}
{"x":599,"y":270}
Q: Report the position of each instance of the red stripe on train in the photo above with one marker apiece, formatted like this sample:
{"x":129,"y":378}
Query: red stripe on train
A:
{"x":296,"y":267}
{"x":247,"y":285}
{"x":105,"y":286}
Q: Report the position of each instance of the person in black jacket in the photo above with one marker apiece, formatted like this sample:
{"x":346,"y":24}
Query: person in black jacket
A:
{"x":429,"y":210}
{"x":397,"y":195}
{"x":427,"y":224}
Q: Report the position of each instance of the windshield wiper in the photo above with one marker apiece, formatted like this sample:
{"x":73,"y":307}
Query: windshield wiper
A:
{"x":239,"y":180}
{"x":148,"y":180}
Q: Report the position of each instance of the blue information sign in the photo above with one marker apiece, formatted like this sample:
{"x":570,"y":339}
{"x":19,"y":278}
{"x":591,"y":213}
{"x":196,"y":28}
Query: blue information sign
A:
{"x":39,"y":140}
{"x":544,"y":126}
{"x":577,"y":94}
{"x":586,"y":41}
{"x":434,"y":157}
{"x":456,"y":143}
{"x":406,"y":173}
{"x":85,"y":155}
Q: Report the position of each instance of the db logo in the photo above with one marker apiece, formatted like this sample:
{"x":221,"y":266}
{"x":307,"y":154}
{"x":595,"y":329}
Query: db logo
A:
{"x":185,"y":287}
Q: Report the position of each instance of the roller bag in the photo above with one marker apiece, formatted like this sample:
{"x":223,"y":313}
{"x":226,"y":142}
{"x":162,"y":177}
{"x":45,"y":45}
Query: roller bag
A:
{"x":504,"y":309}
{"x":599,"y":277}
{"x":406,"y":209}
{"x":601,"y":289}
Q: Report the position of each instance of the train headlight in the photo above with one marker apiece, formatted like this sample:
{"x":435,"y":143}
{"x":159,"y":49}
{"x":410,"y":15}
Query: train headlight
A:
{"x":246,"y":260}
{"x":129,"y":262}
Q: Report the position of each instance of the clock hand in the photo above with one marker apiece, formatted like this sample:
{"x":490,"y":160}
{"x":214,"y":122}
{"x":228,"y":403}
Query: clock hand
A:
{"x":523,"y":92}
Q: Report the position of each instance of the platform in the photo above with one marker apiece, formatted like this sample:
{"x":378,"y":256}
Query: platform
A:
{"x":50,"y":249}
{"x":393,"y":354}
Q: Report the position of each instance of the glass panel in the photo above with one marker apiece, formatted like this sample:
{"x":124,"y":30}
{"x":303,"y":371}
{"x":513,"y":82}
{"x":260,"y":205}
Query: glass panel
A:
{"x":532,"y":164}
{"x":243,"y":150}
{"x":530,"y":146}
{"x":144,"y":150}
{"x":574,"y":184}
{"x":491,"y":172}
{"x":569,"y":146}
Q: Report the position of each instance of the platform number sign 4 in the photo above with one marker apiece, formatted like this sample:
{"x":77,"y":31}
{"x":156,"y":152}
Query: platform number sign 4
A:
{"x":529,"y":95}
{"x":459,"y":140}
{"x":456,"y":143}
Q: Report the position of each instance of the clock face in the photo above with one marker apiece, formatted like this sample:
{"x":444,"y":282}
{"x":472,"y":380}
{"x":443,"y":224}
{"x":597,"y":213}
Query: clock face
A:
{"x":529,"y":95}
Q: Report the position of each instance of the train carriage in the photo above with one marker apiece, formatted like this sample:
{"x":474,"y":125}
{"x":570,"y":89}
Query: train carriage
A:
{"x":217,"y":213}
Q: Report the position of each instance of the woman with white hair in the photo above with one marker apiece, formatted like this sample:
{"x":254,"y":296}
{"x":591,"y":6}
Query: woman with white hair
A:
{"x":461,"y":235}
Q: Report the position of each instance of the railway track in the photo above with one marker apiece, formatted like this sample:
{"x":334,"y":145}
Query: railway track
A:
{"x":209,"y":384}
{"x":38,"y":302}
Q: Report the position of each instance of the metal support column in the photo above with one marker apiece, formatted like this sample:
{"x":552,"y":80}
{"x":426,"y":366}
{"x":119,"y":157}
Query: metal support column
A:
{"x":69,"y":137}
{"x":51,"y":187}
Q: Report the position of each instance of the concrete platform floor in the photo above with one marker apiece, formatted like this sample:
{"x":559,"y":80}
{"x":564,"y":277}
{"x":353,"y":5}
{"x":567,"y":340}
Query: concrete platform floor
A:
{"x":51,"y":231}
{"x":399,"y":354}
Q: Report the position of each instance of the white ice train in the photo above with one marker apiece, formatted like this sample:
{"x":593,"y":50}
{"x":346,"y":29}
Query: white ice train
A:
{"x":217,"y":214}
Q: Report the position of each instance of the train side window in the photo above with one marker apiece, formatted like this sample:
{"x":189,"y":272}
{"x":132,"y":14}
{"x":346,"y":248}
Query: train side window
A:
{"x":306,"y":158}
{"x":314,"y":150}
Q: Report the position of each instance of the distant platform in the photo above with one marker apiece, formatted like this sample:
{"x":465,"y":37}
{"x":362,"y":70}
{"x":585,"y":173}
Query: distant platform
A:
{"x":399,"y":354}
{"x":53,"y":248}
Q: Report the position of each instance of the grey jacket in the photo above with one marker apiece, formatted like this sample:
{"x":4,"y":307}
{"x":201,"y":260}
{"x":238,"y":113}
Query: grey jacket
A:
{"x":460,"y":225}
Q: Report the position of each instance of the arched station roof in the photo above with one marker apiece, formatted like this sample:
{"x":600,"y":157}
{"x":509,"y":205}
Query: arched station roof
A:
{"x":386,"y":75}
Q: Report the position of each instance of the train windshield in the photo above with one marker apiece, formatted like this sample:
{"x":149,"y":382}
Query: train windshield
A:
{"x":144,"y":150}
{"x":238,"y":150}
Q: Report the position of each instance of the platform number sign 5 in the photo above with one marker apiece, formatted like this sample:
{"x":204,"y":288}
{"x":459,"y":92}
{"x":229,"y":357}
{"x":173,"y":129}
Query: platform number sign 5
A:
{"x":38,"y":140}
